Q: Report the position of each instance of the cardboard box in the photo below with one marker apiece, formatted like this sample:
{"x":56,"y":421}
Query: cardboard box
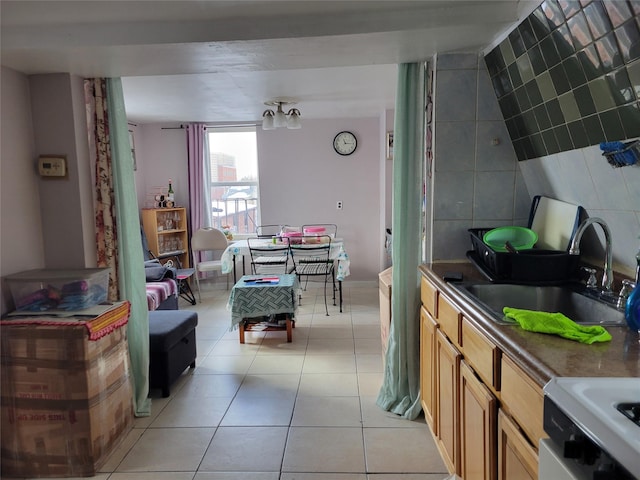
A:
{"x":66,"y":400}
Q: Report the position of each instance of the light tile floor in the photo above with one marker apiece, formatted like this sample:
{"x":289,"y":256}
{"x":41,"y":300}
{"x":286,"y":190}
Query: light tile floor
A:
{"x":272,"y":410}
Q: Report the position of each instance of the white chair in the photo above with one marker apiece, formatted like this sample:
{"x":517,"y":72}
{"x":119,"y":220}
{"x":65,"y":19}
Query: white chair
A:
{"x":208,"y":240}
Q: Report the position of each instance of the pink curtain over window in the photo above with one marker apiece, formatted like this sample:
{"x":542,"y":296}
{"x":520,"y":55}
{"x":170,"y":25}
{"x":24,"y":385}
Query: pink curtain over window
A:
{"x":106,"y":227}
{"x":199,"y":212}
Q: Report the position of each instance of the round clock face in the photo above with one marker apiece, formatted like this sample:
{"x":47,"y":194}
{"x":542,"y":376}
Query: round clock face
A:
{"x":345,"y":143}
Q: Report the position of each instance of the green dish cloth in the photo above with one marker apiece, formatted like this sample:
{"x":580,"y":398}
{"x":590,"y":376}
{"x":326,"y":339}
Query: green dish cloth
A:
{"x":557,"y":324}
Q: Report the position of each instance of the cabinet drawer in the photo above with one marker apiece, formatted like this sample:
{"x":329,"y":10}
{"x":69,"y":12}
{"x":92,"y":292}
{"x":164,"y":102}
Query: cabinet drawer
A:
{"x":449,"y":319}
{"x":481,"y":354}
{"x":428,"y":295}
{"x":523,"y":399}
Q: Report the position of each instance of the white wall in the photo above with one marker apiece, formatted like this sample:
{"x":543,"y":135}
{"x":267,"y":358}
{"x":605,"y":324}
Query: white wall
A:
{"x":21,"y":244}
{"x":302,"y":179}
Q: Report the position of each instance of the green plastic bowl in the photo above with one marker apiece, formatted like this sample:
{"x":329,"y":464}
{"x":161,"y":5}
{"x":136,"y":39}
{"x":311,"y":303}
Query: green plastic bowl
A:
{"x":520,"y":237}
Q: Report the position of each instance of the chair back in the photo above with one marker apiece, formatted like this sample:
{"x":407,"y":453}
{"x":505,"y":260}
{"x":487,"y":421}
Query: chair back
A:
{"x":311,"y":256}
{"x":330,"y":229}
{"x":271,"y":258}
{"x":208,"y":239}
{"x":268,"y":231}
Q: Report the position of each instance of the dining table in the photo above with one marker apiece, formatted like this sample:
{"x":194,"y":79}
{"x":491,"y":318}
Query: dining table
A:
{"x":240,"y":249}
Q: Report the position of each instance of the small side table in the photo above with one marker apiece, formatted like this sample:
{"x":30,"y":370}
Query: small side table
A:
{"x":250,"y":299}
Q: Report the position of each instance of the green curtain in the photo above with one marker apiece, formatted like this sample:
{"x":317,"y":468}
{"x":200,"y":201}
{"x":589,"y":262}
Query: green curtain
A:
{"x":400,"y":391}
{"x":131,"y":274}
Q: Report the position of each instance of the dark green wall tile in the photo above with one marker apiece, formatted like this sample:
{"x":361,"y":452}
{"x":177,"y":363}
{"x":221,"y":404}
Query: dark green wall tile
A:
{"x":537,"y":61}
{"x":560,"y":80}
{"x":553,"y":12}
{"x":550,"y":142}
{"x":569,"y":7}
{"x":514,"y":75}
{"x":579,"y":30}
{"x":564,"y":138}
{"x":590,"y":62}
{"x":620,"y":86}
{"x":578,"y":134}
{"x":563,"y":41}
{"x":635,"y":6}
{"x":534,"y":93}
{"x":518,"y":147}
{"x":549,"y":52}
{"x":509,"y":105}
{"x":520,"y":126}
{"x":597,"y":19}
{"x":612,"y":125}
{"x":494,"y":61}
{"x":545,"y":85}
{"x":512,"y":128}
{"x":524,"y":67}
{"x":628,"y":36}
{"x":610,"y":57}
{"x":527,"y":34}
{"x":540,"y":24}
{"x":630,"y":116}
{"x":633,"y":70}
{"x":601,"y":94}
{"x":507,"y":53}
{"x":584,"y":101}
{"x":539,"y":148}
{"x":574,"y":72}
{"x":569,"y":107}
{"x":530,"y":123}
{"x":523,"y":99}
{"x":516,"y":43}
{"x":555,"y":112}
{"x":542,"y":117}
{"x":594,"y":130}
{"x":618,"y":12}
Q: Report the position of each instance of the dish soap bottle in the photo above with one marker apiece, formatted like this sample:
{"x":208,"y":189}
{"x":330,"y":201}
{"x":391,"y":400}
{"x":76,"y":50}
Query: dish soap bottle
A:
{"x":632,"y":309}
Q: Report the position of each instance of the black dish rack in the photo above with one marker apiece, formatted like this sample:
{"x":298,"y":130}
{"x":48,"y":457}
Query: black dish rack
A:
{"x":534,"y":266}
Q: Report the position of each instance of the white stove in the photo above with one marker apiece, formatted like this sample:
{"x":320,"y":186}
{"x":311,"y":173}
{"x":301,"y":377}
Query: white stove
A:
{"x":593,"y":427}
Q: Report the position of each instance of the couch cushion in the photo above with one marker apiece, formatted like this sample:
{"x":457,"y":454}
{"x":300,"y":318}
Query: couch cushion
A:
{"x":168,"y":327}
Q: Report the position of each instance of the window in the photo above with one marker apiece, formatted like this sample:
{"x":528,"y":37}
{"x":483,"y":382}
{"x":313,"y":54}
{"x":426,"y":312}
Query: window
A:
{"x":233,"y":157}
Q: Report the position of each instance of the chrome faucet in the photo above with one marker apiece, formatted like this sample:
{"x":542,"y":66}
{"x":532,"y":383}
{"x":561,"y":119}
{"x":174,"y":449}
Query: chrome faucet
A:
{"x":574,"y":249}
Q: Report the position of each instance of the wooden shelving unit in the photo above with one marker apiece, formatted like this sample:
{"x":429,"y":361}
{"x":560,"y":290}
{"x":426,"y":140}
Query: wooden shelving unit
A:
{"x":166,"y":232}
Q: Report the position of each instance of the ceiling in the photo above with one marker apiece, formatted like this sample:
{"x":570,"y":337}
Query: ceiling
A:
{"x":219,"y":61}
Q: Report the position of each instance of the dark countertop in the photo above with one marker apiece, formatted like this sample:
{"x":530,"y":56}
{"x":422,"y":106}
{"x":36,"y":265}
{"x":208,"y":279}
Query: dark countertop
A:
{"x":545,"y":356}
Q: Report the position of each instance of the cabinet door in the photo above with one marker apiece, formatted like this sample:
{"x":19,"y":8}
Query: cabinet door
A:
{"x":478,"y":428}
{"x":517,"y":460}
{"x":427,"y":366}
{"x":447,"y":413}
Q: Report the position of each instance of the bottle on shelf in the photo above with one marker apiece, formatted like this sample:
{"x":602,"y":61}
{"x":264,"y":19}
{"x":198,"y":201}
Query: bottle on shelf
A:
{"x":170,"y":195}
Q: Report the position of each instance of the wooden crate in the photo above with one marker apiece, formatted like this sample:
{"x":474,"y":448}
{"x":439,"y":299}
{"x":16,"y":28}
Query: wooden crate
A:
{"x":66,"y":400}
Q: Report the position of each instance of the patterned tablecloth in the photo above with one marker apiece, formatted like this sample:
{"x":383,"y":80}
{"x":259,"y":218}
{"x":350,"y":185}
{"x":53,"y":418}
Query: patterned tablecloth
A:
{"x":241,"y":248}
{"x":249,"y":299}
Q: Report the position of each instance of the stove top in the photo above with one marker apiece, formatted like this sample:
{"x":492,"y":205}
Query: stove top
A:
{"x":604,"y":409}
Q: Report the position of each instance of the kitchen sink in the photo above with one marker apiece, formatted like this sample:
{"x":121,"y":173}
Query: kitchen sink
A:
{"x":576,"y":302}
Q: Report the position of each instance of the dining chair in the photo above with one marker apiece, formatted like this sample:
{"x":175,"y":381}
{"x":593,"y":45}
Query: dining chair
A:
{"x":311,"y":258}
{"x":208,"y":240}
{"x":330,"y":229}
{"x":269,"y":258}
{"x":268,"y":231}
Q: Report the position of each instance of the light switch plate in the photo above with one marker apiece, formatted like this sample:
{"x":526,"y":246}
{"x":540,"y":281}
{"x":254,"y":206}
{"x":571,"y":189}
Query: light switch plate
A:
{"x":52,"y":166}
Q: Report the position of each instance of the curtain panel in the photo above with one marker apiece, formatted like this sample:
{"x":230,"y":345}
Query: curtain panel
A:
{"x":400,"y":391}
{"x":117,"y":223}
{"x":199,"y":177}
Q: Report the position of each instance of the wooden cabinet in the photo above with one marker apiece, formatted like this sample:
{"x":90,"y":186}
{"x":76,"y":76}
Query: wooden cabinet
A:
{"x":478,"y":419}
{"x":428,"y":367}
{"x":467,"y":385}
{"x":166,"y":232}
{"x":447,"y":413}
{"x":517,"y":460}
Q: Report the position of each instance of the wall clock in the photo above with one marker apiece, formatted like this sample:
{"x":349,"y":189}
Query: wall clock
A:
{"x":345,"y":143}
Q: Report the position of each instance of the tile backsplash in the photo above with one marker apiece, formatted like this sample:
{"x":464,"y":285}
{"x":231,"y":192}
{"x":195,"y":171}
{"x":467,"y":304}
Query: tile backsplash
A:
{"x":569,"y":76}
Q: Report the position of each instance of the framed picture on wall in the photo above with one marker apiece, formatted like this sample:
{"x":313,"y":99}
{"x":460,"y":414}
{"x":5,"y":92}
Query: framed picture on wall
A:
{"x":389,"y":145}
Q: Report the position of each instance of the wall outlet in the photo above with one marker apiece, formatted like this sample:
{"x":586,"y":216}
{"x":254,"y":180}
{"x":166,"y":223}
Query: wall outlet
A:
{"x":339,"y":205}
